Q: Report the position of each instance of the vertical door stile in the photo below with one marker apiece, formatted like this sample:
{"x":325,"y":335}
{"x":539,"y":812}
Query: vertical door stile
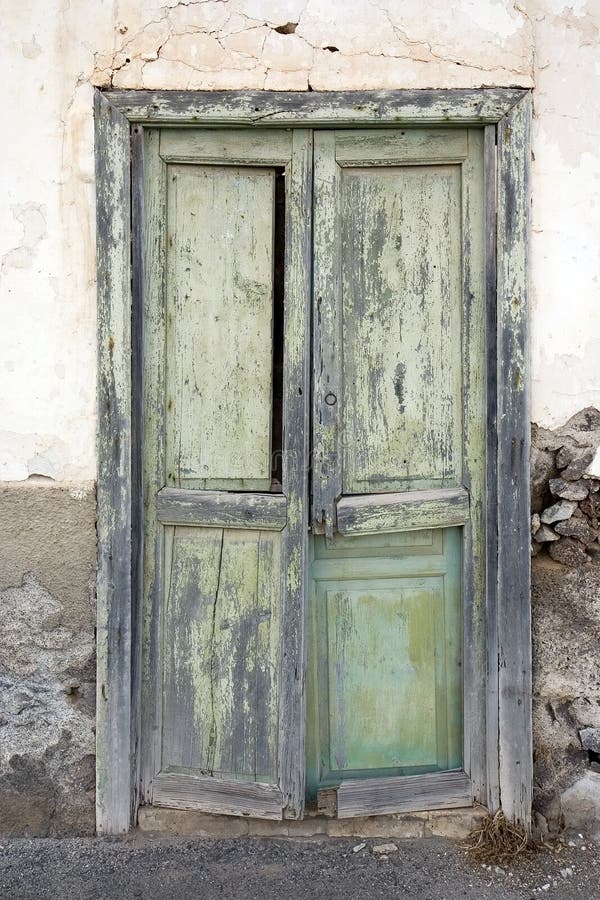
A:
{"x":474,"y":456}
{"x":327,"y":345}
{"x":296,"y":400}
{"x":153,"y":450}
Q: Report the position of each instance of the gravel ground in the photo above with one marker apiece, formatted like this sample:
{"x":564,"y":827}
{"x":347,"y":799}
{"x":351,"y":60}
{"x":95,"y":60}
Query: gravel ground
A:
{"x":155,"y":867}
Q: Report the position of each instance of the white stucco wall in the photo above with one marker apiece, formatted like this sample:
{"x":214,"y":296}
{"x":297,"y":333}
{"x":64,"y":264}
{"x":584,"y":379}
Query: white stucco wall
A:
{"x":54,"y":51}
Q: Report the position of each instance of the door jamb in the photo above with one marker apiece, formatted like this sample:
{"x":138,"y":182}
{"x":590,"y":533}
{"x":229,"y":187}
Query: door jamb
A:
{"x":506,"y":113}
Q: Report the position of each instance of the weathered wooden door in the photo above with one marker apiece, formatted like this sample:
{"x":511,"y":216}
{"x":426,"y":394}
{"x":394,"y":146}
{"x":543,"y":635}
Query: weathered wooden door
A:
{"x":224,"y":345}
{"x":398,"y":464}
{"x":398,"y":467}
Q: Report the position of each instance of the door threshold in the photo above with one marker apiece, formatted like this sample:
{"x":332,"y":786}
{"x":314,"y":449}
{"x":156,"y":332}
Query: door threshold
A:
{"x":454,"y":824}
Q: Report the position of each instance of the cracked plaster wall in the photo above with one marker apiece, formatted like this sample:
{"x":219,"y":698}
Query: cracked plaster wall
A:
{"x":54,"y":52}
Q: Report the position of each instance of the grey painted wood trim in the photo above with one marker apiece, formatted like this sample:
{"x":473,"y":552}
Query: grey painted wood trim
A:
{"x":215,"y":795}
{"x":222,"y":509}
{"x":407,"y":511}
{"x":491,"y":685}
{"x":114,"y":790}
{"x":137,"y":498}
{"x":409,"y":793}
{"x":513,"y":599}
{"x":326,"y":108}
{"x":296,"y":396}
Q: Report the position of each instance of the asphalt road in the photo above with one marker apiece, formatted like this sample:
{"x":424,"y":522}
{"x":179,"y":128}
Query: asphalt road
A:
{"x":150,"y":867}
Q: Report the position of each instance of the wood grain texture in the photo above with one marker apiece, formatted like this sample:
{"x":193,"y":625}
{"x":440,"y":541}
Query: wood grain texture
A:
{"x":223,"y":509}
{"x":219,"y":326}
{"x":391,"y":147}
{"x":474,"y":465}
{"x":137,"y":441}
{"x":401,"y":406}
{"x":153,"y":327}
{"x":114,"y":794}
{"x":491,"y":730}
{"x":222,"y":653}
{"x":380,"y":796}
{"x":514,"y":603}
{"x":327,"y":337}
{"x":378,"y":513}
{"x":215,"y":795}
{"x":325,"y":108}
{"x":296,"y":396}
{"x":234,"y":145}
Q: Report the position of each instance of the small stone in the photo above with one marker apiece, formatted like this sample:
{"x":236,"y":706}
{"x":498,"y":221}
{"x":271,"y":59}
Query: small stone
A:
{"x":569,"y":552}
{"x":568,"y":490}
{"x":545,"y":887}
{"x":577,"y":528}
{"x":564,"y":457}
{"x":544,"y":534}
{"x":590,"y":739}
{"x":535,"y":523}
{"x":564,"y":509}
{"x":359,"y":847}
{"x":577,"y":466}
{"x":535,"y":548}
{"x":384,"y":856}
{"x":566,"y":872}
{"x":594,"y":487}
{"x":385,"y":848}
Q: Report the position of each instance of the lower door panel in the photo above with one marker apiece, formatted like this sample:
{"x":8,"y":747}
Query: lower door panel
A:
{"x":385,"y":671}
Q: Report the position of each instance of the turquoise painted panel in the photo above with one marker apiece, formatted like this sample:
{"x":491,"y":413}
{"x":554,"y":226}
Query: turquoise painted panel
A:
{"x":385,"y":656}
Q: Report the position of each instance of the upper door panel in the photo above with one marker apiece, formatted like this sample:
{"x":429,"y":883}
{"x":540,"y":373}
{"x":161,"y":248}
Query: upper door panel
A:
{"x":220,"y":222}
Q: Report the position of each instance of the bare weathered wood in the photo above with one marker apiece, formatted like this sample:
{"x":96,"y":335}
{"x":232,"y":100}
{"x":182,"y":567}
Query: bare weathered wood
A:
{"x":321,"y":108}
{"x":402,"y":355}
{"x":219,"y":312}
{"x":222,"y":509}
{"x":222,"y":653}
{"x":408,"y":510}
{"x":137,"y":438}
{"x":153,"y":326}
{"x":491,"y":706}
{"x":236,"y":146}
{"x":113,"y":710}
{"x":474,"y":469}
{"x":327,"y":337}
{"x":514,"y":604}
{"x":296,"y":394}
{"x":410,"y":793}
{"x":214,"y":795}
{"x":391,"y":147}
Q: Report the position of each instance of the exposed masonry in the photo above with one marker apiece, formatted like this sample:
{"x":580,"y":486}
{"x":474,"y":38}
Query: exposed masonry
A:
{"x":565,"y":499}
{"x":565,"y":475}
{"x":209,"y":44}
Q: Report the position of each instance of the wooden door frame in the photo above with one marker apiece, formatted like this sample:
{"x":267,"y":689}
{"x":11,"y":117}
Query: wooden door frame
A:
{"x":504,"y":635}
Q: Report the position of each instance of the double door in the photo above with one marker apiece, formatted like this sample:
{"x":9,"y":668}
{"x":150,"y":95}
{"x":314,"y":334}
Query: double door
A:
{"x":313,"y":468}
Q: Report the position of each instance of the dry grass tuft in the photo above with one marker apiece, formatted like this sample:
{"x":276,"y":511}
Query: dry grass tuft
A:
{"x":495,"y":840}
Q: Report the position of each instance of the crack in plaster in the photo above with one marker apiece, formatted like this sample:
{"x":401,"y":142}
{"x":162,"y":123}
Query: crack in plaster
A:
{"x":127,"y":55}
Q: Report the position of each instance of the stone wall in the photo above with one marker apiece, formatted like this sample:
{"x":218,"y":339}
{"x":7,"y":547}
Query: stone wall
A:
{"x":566,"y":622}
{"x":47,"y":659}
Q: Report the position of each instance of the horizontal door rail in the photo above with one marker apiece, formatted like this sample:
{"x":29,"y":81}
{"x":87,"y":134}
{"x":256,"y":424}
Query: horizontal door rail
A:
{"x":410,"y":793}
{"x":222,"y":509}
{"x":216,"y":795}
{"x":406,"y":511}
